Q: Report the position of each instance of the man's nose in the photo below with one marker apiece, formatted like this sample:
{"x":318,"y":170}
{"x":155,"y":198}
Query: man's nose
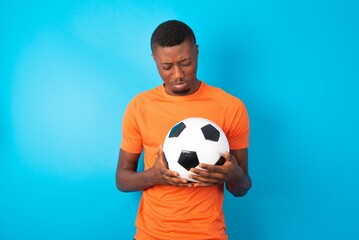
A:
{"x":177,"y":72}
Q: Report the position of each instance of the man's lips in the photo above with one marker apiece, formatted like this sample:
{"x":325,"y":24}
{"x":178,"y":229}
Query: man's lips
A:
{"x":179,"y":82}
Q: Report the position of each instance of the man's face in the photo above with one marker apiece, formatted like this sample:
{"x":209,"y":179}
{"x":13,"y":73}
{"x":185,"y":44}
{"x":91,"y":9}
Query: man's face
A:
{"x":177,"y":67}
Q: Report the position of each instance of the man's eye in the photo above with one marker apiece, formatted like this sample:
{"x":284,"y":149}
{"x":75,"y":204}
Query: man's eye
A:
{"x":166,"y":67}
{"x":185,"y":64}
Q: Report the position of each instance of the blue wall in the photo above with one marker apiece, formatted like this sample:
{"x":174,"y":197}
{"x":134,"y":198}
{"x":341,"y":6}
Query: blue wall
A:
{"x":69,"y":68}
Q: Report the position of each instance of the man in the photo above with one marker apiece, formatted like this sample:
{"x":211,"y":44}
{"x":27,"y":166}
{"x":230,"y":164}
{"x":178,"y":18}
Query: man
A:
{"x":172,"y":207}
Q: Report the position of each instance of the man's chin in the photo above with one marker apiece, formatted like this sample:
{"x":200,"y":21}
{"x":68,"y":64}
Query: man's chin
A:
{"x":184,"y":91}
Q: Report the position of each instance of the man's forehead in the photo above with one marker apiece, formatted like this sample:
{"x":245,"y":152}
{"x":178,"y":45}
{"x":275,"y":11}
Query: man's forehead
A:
{"x":172,"y":54}
{"x":187,"y":42}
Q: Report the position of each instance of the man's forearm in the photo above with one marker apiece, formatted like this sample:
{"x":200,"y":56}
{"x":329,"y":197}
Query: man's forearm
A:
{"x":239,"y":187}
{"x":130,"y":181}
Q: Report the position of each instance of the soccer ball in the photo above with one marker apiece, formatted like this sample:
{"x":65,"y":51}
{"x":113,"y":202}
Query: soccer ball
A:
{"x":193,"y":141}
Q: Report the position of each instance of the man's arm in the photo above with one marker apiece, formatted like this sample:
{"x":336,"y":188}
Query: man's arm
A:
{"x":129,"y":180}
{"x":242,"y":182}
{"x":234,"y":172}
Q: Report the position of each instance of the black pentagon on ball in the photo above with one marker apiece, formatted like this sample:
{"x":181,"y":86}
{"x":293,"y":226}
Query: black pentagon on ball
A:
{"x":220,"y":161}
{"x":176,"y":130}
{"x":188,"y":159}
{"x":210,"y":133}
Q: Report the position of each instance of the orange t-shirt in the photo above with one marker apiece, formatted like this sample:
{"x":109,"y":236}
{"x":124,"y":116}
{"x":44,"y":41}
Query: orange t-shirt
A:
{"x":169,"y":212}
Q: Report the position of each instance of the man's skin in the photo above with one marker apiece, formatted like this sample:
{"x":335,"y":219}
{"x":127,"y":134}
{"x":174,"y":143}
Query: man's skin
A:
{"x":177,"y":67}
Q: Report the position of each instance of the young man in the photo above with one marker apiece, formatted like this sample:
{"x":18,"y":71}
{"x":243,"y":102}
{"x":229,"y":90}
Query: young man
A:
{"x":171,"y":207}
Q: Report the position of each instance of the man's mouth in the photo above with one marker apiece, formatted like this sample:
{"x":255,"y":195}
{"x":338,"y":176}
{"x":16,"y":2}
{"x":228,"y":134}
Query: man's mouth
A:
{"x":179,"y":82}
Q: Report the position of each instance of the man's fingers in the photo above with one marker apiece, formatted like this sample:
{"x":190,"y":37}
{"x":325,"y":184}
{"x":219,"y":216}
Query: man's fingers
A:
{"x":226,"y":155}
{"x":160,"y":151}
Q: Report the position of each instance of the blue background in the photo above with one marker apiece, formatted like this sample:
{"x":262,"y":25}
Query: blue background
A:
{"x":69,"y":68}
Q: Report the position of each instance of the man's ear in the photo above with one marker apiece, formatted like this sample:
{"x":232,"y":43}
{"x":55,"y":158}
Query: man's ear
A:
{"x":197,"y":49}
{"x":153,"y":56}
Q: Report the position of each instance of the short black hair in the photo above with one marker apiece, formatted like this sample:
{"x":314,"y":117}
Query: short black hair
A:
{"x":171,"y":33}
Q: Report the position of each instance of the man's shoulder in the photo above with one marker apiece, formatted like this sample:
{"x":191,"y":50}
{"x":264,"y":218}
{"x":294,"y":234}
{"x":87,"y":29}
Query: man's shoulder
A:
{"x":143,"y":98}
{"x":221,"y":94}
{"x":149,"y":95}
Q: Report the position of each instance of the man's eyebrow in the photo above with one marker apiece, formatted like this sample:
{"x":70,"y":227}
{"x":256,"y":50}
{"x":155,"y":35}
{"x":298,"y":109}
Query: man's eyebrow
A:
{"x":182,"y":60}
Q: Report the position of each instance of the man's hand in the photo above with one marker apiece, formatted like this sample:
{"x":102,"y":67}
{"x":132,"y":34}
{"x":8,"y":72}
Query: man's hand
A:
{"x":209,"y":175}
{"x":234,"y":173}
{"x":162,"y":175}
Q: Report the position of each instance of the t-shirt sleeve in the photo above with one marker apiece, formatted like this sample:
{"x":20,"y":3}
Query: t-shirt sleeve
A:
{"x":131,"y":135}
{"x":238,"y":136}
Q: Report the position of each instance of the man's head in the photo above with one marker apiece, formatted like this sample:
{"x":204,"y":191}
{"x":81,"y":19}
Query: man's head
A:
{"x":175,"y":52}
{"x":171,"y":33}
